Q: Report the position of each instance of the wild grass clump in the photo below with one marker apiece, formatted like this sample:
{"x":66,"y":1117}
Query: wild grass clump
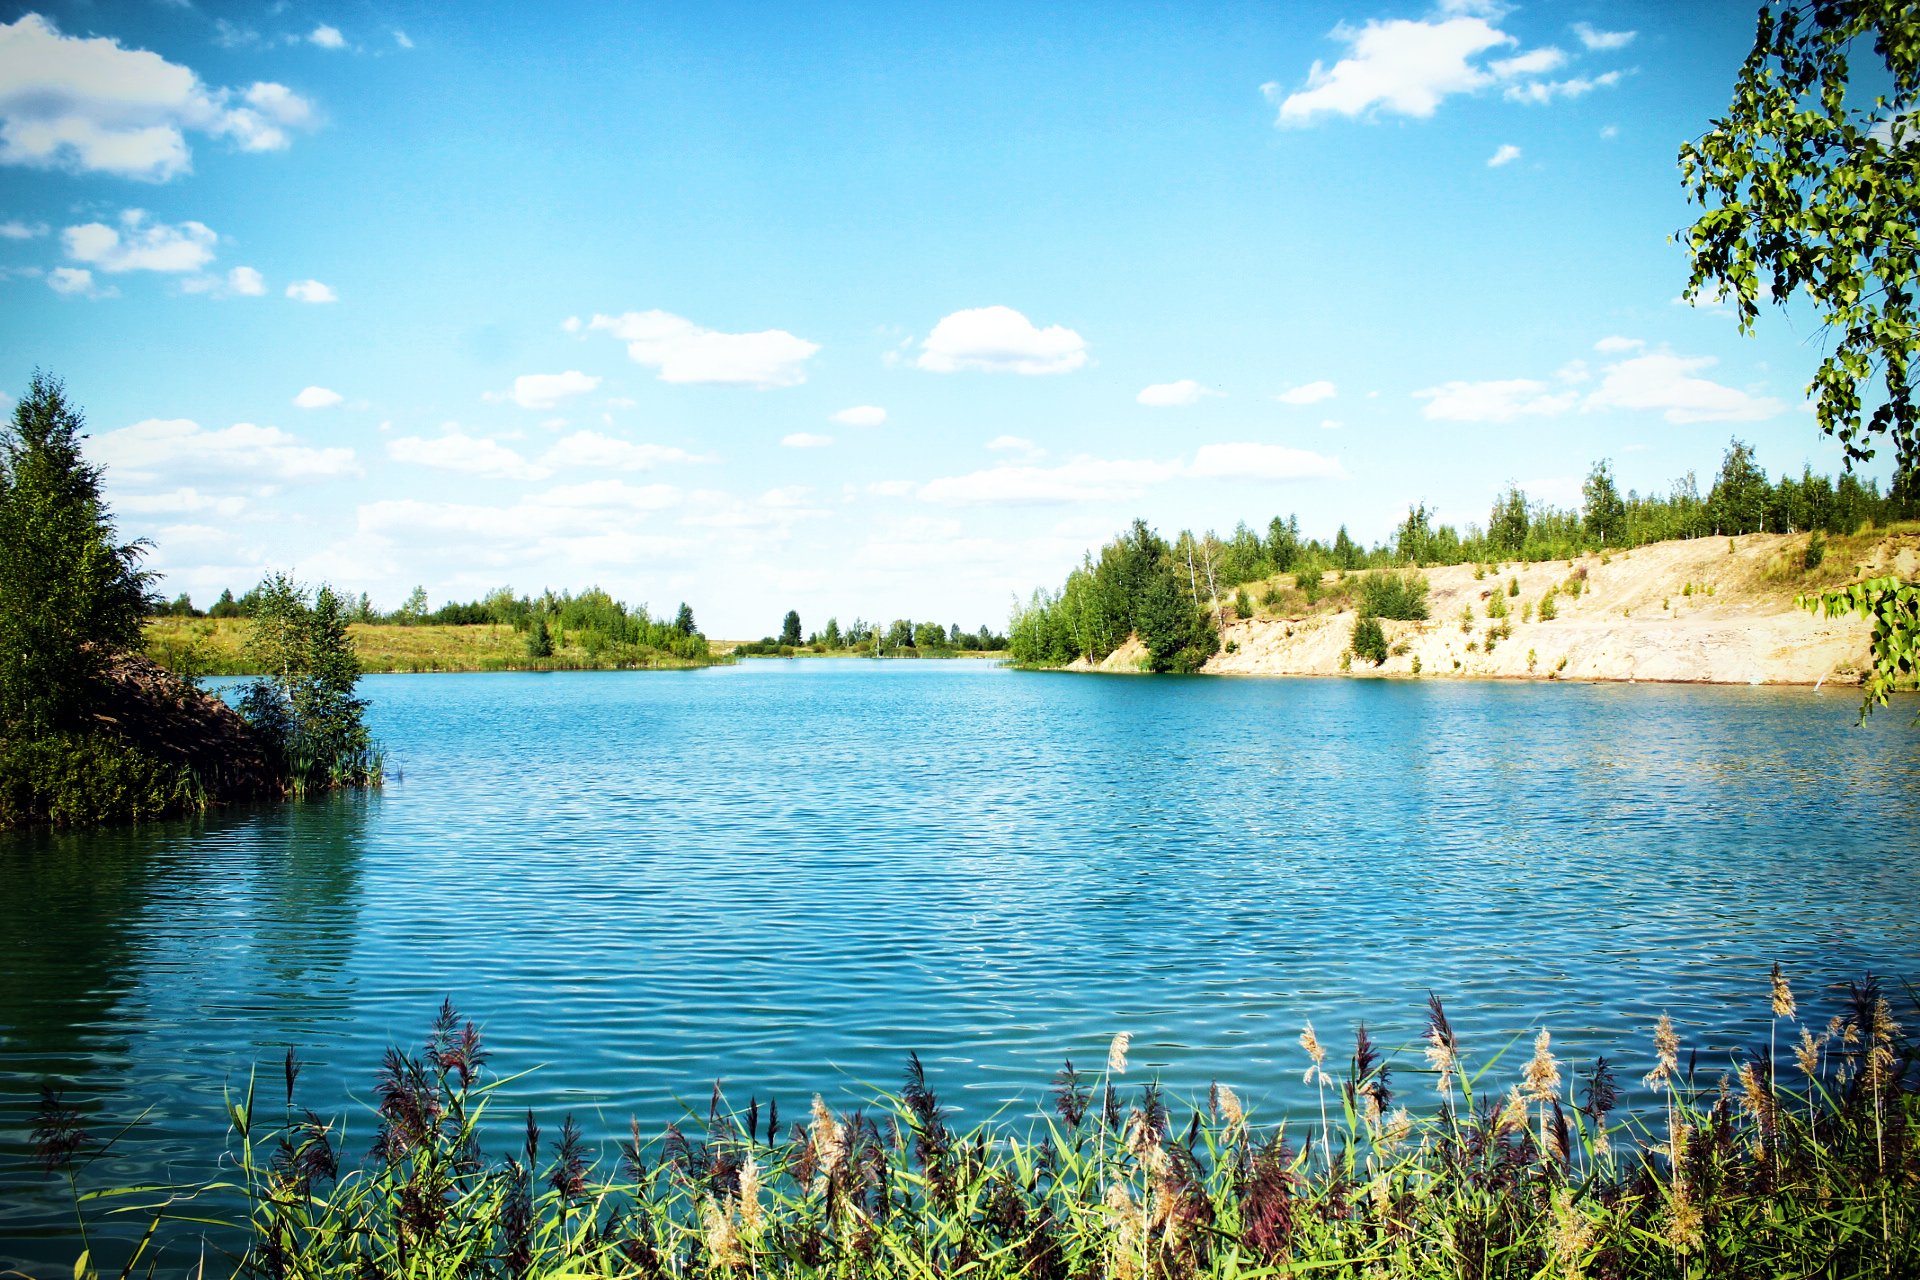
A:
{"x":1745,"y":1167}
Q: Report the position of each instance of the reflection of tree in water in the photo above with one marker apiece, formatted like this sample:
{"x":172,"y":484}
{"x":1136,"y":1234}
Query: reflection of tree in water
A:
{"x":145,"y":967}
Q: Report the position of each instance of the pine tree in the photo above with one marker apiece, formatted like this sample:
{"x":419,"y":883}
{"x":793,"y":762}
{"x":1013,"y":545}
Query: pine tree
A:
{"x":71,"y":596}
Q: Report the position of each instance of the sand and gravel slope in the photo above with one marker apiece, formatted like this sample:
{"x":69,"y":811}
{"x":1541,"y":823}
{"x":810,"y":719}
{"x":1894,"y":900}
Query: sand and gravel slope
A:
{"x":1691,"y":611}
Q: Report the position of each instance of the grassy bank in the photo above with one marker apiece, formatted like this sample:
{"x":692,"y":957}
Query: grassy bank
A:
{"x":1798,"y":1160}
{"x":217,"y":646}
{"x":759,"y":649}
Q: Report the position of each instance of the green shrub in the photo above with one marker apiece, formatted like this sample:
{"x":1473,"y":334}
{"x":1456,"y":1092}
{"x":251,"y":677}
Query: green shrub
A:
{"x":1816,"y":551}
{"x":1513,"y":586}
{"x":84,"y":779}
{"x":1369,"y":641}
{"x":1497,"y":606}
{"x":1466,"y":620}
{"x":1402,"y":596}
{"x":1549,"y":610}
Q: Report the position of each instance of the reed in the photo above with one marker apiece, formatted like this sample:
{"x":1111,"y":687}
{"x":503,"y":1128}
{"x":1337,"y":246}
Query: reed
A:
{"x":1740,"y":1174}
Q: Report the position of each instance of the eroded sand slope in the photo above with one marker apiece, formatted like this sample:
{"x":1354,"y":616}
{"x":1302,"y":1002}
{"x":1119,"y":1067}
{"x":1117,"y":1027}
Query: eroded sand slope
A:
{"x":1634,"y":619}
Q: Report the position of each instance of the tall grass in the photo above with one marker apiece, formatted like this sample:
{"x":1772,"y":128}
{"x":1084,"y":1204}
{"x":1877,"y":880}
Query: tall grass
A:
{"x":1745,"y":1167}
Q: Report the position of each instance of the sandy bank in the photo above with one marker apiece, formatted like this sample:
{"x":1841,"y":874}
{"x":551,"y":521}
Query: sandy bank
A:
{"x":1689,"y":611}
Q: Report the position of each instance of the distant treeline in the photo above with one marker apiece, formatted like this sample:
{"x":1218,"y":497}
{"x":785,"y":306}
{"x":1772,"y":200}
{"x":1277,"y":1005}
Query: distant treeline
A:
{"x":592,"y":620}
{"x":903,"y":638}
{"x":1140,"y":584}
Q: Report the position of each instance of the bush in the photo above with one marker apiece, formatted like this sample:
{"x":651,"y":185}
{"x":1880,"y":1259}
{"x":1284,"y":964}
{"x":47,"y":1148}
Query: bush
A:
{"x":84,"y":779}
{"x":305,"y":707}
{"x":1178,"y":636}
{"x":1816,"y":551}
{"x":1549,"y":609}
{"x":1401,"y":596}
{"x":1369,"y":641}
{"x":1513,"y":586}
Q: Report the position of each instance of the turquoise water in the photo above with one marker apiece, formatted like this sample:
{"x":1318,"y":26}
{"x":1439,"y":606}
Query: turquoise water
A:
{"x":785,"y":875}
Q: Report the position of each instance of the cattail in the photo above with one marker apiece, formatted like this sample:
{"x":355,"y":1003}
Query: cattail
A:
{"x":1443,"y":1050}
{"x":829,"y":1142}
{"x":1683,"y":1228}
{"x":723,"y":1242}
{"x":1666,"y":1052}
{"x":1117,"y":1053}
{"x":1127,"y":1224}
{"x":1807,"y":1053}
{"x":752,"y":1213}
{"x":1782,"y":994}
{"x":1513,"y":1114}
{"x":1398,"y":1126}
{"x":1311,"y":1043}
{"x":1543,"y":1071}
{"x":1571,"y":1235}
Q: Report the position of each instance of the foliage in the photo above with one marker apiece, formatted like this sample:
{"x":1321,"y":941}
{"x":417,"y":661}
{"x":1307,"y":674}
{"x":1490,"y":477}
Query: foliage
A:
{"x":790,"y":628}
{"x":1604,"y":511}
{"x":1751,"y":1167}
{"x":1814,"y":190}
{"x":1394,"y":595}
{"x":304,"y":706}
{"x":1369,"y":641}
{"x":71,"y":596}
{"x":70,"y":778}
{"x":1549,"y":605}
{"x":1140,"y":586}
{"x":1894,"y":607}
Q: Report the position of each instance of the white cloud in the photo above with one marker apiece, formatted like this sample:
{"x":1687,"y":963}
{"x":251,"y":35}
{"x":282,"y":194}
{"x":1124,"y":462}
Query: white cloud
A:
{"x":1027,"y":449}
{"x":1532,"y":63}
{"x":178,"y":502}
{"x":1398,"y":66}
{"x":547,"y":390}
{"x":70,"y":280}
{"x":862,"y":415}
{"x":14,"y":229}
{"x":140,"y":245}
{"x":1601,"y":40}
{"x":1081,"y":480}
{"x":1262,"y":462}
{"x":1615,"y":344}
{"x":327,"y":37}
{"x":1667,"y":384}
{"x":1540,"y":92}
{"x":1409,"y":68}
{"x":1169,"y":395}
{"x":684,"y":352}
{"x":311,"y":291}
{"x":805,"y":440}
{"x":1308,"y":393}
{"x":1493,"y":401}
{"x":1610,"y":131}
{"x":246,"y":282}
{"x":574,"y":523}
{"x":88,"y":105}
{"x":1000,"y":340}
{"x":317,"y":398}
{"x":1506,"y":154}
{"x":572,"y":324}
{"x":592,"y":451}
{"x":1086,"y":479}
{"x":158,"y":447}
{"x":455,"y":450}
{"x":400,"y":38}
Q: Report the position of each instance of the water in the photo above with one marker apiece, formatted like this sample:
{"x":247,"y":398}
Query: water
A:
{"x":784,"y":875}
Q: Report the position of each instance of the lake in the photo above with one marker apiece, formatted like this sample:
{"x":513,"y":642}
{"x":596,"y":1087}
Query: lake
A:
{"x":785,"y":875}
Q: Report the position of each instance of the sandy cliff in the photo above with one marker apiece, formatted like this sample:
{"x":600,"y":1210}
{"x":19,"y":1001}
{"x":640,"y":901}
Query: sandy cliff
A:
{"x":1674,"y":611}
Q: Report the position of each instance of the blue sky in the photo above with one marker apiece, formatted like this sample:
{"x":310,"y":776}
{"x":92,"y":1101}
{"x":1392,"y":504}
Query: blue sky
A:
{"x":856,"y":309}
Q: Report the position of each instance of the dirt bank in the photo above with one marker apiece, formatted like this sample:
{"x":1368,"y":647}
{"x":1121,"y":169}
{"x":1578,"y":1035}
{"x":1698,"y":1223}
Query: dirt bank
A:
{"x":1689,"y":611}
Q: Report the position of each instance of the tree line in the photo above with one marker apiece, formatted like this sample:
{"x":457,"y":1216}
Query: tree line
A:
{"x":1168,"y":593}
{"x":592,"y":619}
{"x":903,"y":638}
